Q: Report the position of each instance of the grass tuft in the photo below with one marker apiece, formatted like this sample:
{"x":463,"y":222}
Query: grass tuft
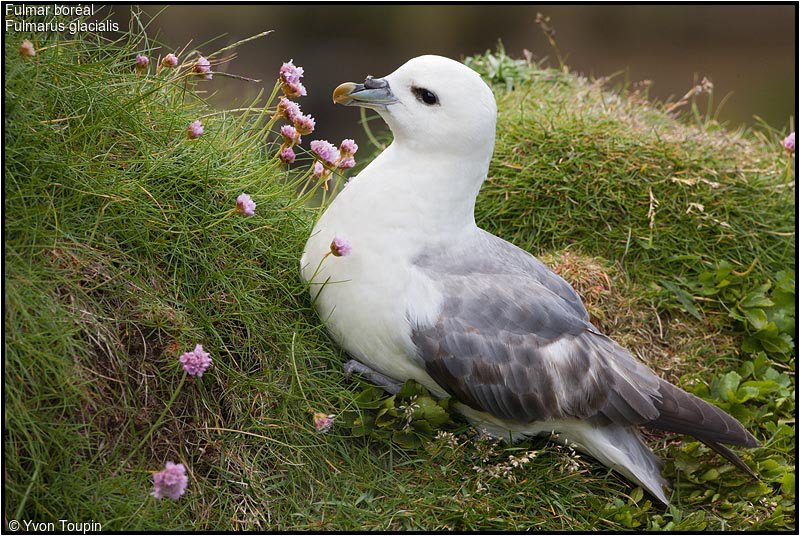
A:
{"x":616,"y":176}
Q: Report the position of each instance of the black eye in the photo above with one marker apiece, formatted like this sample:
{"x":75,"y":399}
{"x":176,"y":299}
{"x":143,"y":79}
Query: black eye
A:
{"x":428,"y":97}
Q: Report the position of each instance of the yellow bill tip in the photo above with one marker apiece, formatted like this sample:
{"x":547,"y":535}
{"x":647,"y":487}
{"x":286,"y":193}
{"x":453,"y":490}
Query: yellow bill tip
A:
{"x":342,"y":93}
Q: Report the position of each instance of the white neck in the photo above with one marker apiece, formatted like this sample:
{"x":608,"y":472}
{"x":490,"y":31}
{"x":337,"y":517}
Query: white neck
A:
{"x":434,"y":196}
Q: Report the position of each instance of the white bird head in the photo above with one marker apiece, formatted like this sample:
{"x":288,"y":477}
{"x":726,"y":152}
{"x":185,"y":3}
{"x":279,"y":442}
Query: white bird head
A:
{"x":431,"y":104}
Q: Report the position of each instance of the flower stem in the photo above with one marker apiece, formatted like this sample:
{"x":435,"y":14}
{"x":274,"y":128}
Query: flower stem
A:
{"x":368,"y":131}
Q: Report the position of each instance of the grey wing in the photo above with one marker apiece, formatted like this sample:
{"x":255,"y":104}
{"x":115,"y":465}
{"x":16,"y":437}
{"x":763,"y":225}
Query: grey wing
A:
{"x":513,"y":339}
{"x":485,"y":253}
{"x":506,"y":257}
{"x":508,"y":345}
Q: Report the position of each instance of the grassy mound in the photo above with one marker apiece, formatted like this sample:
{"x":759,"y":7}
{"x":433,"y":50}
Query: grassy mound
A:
{"x":616,"y":176}
{"x":122,"y":252}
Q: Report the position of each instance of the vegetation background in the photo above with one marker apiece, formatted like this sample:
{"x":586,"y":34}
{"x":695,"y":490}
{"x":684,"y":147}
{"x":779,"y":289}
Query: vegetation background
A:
{"x":747,"y":51}
{"x":123,"y":250}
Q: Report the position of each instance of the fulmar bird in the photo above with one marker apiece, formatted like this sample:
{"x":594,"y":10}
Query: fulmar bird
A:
{"x":427,"y":295}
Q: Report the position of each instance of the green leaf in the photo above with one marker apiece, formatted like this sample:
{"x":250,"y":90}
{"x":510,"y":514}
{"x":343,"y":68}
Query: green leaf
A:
{"x":685,"y":299}
{"x":764,"y":387}
{"x":772,"y":375}
{"x":745,"y":393}
{"x":783,"y":320}
{"x":772,"y":341}
{"x":369,"y":398}
{"x":430,"y":411}
{"x":728,"y":384}
{"x":410,"y":389}
{"x":423,"y":427}
{"x":645,"y":244}
{"x":711,"y":474}
{"x":755,"y":298}
{"x":787,"y":484}
{"x":756,"y":317}
{"x":406,"y":440}
{"x":784,"y":280}
{"x":724,"y":268}
{"x":385,"y":418}
{"x":772,"y":469}
{"x":747,"y":369}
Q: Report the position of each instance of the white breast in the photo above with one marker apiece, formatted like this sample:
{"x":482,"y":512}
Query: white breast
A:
{"x":368,"y":299}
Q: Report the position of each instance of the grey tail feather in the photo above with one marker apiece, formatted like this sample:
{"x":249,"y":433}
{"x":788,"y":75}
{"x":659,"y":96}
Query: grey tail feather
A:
{"x":729,"y":455}
{"x":685,"y":413}
{"x":621,"y":448}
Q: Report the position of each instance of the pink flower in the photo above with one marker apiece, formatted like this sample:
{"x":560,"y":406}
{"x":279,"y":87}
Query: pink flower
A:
{"x":289,"y":73}
{"x":203,"y":66}
{"x":196,"y":362}
{"x":325,"y":151}
{"x":26,"y":49}
{"x":290,"y":80}
{"x":290,"y":134}
{"x":170,"y":482}
{"x":142,"y":61}
{"x":170,"y":60}
{"x":288,"y":109}
{"x":294,"y":90}
{"x":287,"y":155}
{"x":788,"y":142}
{"x":319,"y":170}
{"x":340,"y":247}
{"x":304,"y":124}
{"x":348,"y":147}
{"x":323,"y":422}
{"x":347,"y":162}
{"x":195,"y":130}
{"x":245,"y":205}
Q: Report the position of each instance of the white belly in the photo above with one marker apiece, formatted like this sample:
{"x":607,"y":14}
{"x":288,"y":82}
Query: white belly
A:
{"x":367,"y":300}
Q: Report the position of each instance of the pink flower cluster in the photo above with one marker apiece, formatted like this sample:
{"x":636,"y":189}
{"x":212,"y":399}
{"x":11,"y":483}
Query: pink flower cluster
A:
{"x":203,"y":68}
{"x":348,"y":149}
{"x":287,"y":156}
{"x":325,"y":151}
{"x":323,"y":422}
{"x":290,"y":111}
{"x":328,"y":157}
{"x":290,"y":134}
{"x":196,"y":362}
{"x":304,"y":124}
{"x":142,"y":62}
{"x":194,"y":130}
{"x":290,"y":76}
{"x":340,"y":247}
{"x":170,"y":482}
{"x":788,"y":143}
{"x":26,"y":49}
{"x":170,"y":60}
{"x":245,"y":205}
